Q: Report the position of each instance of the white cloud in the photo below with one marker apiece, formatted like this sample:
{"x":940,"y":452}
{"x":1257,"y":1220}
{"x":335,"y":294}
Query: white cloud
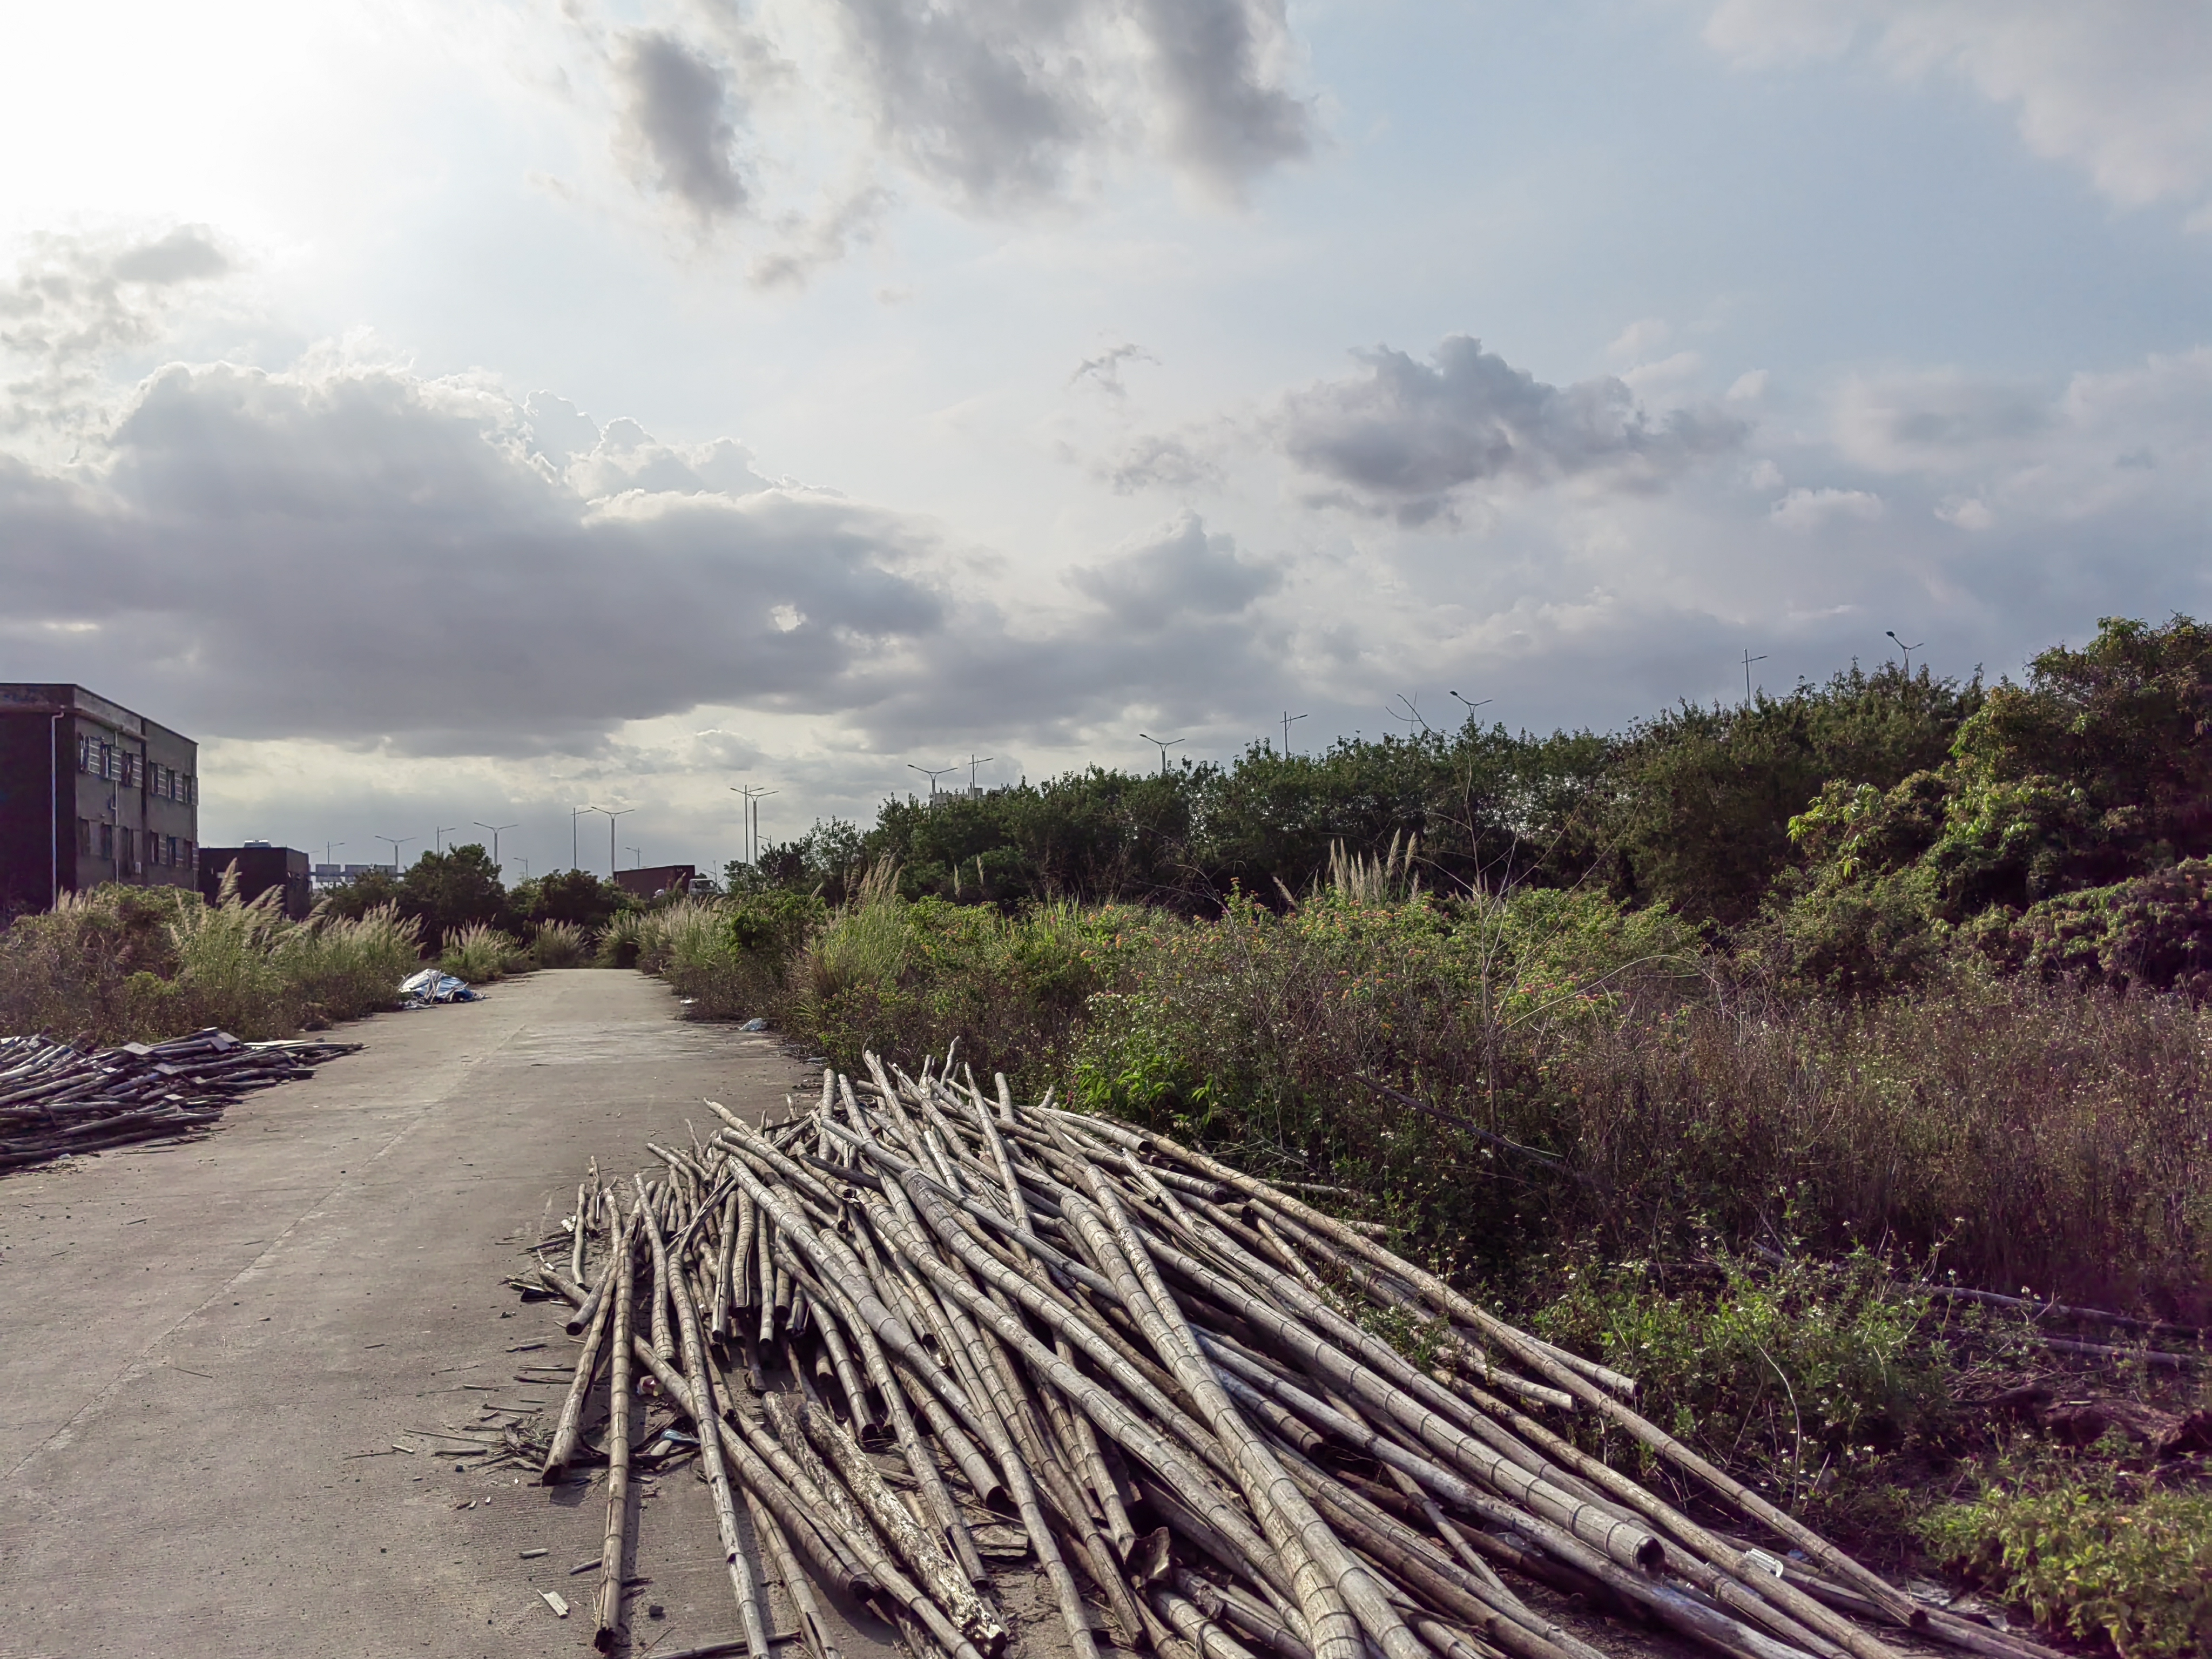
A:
{"x":2119,"y":87}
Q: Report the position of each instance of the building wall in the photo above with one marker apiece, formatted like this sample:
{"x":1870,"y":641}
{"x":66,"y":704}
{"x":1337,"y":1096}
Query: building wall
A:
{"x":260,"y":869}
{"x":119,"y":801}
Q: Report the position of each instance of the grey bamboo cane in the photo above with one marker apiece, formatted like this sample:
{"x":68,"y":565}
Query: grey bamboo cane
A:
{"x":744,"y":1584}
{"x":615,"y":1549}
{"x":567,"y":1434}
{"x":1892,"y":1602}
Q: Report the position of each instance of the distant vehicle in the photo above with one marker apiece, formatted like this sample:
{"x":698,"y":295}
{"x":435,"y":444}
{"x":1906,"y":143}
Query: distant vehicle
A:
{"x":703,"y":887}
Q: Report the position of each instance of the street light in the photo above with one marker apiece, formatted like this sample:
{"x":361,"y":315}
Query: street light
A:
{"x":1164,"y":745}
{"x":932,"y":775}
{"x":575,"y":812}
{"x":754,"y":795}
{"x":442,"y":833}
{"x":611,"y":817}
{"x":327,"y":847}
{"x":398,"y":842}
{"x":1907,"y":649}
{"x":495,"y":829}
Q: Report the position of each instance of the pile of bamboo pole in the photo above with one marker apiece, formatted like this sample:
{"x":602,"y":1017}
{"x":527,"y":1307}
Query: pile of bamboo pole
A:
{"x":922,"y":1322}
{"x":57,"y":1098}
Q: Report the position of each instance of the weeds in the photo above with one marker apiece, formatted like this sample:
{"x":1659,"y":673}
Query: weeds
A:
{"x":120,"y":964}
{"x":558,"y":945}
{"x":2089,"y":1547}
{"x":480,"y":953}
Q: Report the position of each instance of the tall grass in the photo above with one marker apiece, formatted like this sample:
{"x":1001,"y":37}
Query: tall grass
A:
{"x":1600,"y":1083}
{"x":558,"y":945}
{"x":119,"y":963}
{"x":480,"y":953}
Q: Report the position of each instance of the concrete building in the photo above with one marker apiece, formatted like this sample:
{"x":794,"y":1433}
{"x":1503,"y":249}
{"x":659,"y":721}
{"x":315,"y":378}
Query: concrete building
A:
{"x":91,"y":793}
{"x":260,"y":867}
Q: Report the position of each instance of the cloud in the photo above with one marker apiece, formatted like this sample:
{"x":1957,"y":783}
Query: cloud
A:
{"x":1935,"y":420}
{"x":1401,"y":439}
{"x":1162,"y":460}
{"x":1216,"y":65}
{"x":807,"y":118}
{"x":365,"y":555}
{"x":1105,"y":371}
{"x":2116,"y":89}
{"x":1177,"y":572}
{"x":76,"y":300}
{"x":679,"y":124}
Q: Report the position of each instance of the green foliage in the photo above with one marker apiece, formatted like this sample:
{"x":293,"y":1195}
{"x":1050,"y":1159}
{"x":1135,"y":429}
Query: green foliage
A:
{"x":123,"y":964}
{"x":2058,"y":837}
{"x":576,"y":898}
{"x":1798,"y":1376}
{"x":2090,"y":1549}
{"x":558,"y":945}
{"x":480,"y":953}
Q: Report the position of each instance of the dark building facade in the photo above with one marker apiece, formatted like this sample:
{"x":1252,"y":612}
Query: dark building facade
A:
{"x":260,"y":867}
{"x":91,"y":793}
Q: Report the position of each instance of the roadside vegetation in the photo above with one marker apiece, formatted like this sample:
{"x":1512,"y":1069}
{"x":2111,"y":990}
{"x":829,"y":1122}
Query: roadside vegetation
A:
{"x":1724,"y":1049}
{"x":121,"y":964}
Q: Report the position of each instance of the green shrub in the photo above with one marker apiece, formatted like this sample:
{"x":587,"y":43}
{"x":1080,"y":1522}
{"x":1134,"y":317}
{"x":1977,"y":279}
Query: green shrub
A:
{"x":1798,"y":1376}
{"x":480,"y":953}
{"x":621,"y":940}
{"x":2089,"y":1549}
{"x":557,"y":944}
{"x":122,"y":964}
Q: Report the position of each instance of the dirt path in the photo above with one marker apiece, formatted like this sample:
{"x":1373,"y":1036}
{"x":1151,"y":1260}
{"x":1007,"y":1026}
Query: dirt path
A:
{"x":195,"y":1343}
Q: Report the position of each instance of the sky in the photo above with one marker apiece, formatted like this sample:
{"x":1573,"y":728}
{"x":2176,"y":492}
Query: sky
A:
{"x":454,"y":414}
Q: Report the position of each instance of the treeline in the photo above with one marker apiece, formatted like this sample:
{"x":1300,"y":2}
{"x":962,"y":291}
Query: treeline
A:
{"x":1850,"y":831}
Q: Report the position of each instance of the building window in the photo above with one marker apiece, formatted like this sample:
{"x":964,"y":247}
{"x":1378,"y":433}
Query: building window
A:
{"x":192,"y":858}
{"x":130,"y":849}
{"x":108,"y":841}
{"x":84,"y":753}
{"x":84,"y":837}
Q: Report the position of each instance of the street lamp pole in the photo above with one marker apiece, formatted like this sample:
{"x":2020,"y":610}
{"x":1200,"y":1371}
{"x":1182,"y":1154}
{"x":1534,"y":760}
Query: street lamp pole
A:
{"x":398,"y":842}
{"x":575,"y":812}
{"x":611,"y":817}
{"x":495,"y":829}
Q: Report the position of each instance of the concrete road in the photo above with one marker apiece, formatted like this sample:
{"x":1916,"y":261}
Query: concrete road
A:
{"x":208,"y":1352}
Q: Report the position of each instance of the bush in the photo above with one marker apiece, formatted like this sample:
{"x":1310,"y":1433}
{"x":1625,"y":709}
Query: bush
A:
{"x":479,"y":954}
{"x":2089,"y":1549}
{"x":558,"y":945}
{"x":1797,"y":1376}
{"x":124,"y":963}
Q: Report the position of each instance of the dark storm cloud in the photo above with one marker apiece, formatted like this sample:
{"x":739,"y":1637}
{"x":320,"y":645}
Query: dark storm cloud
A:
{"x":679,"y":122}
{"x":1398,"y":440}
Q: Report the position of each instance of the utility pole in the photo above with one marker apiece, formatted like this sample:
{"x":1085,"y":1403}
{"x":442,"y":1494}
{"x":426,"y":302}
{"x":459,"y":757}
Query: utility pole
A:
{"x":327,"y":847}
{"x":1164,"y":745}
{"x":525,"y":863}
{"x":636,"y":856}
{"x":495,"y":829}
{"x":1907,"y":649}
{"x":1747,"y":660}
{"x":611,"y":817}
{"x":442,"y":833}
{"x":398,"y":842}
{"x":1288,"y":719}
{"x":975,"y":760}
